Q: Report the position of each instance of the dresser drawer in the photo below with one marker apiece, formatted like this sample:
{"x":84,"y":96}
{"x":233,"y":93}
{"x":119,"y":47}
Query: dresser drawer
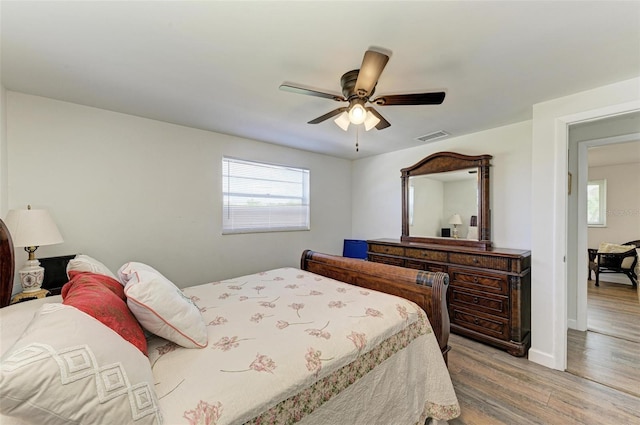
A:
{"x":492,"y":283}
{"x":483,"y":261}
{"x":385,"y":249}
{"x":418,"y":265}
{"x":394,"y":261}
{"x":494,"y":326}
{"x":426,"y":254}
{"x":476,"y":301}
{"x":424,"y":265}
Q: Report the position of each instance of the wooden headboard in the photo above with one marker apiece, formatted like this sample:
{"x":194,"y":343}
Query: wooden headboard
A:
{"x":7,"y":265}
{"x":427,"y":289}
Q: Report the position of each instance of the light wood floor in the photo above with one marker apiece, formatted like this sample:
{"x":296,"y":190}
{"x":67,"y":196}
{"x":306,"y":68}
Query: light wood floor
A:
{"x":496,"y":388}
{"x":609,"y":353}
{"x":613,"y":309}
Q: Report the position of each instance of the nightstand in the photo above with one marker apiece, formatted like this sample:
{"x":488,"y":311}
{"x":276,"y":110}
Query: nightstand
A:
{"x":26,"y":296}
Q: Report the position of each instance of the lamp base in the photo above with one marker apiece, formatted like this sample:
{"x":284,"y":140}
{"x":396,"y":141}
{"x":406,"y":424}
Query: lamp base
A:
{"x":455,"y":231}
{"x":31,"y":276}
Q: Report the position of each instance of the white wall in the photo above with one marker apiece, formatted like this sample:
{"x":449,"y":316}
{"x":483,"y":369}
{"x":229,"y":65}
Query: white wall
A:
{"x":125,"y":188}
{"x":376,"y":186}
{"x":428,"y":206}
{"x":461,"y":197}
{"x":549,"y":193}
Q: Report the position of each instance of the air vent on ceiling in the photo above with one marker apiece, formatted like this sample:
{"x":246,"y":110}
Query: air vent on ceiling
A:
{"x":433,"y":136}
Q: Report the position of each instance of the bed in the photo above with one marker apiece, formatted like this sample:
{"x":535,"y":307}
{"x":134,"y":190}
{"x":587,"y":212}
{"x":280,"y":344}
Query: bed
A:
{"x":319,"y":344}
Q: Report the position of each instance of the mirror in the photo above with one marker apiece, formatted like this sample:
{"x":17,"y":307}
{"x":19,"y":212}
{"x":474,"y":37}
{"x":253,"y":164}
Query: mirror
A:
{"x":445,"y":200}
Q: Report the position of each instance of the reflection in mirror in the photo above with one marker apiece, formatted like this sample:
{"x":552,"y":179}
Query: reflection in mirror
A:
{"x":445,"y":200}
{"x":437,"y":201}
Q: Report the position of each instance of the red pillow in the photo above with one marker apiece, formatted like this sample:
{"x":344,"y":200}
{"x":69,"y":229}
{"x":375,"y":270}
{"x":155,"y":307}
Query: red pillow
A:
{"x":102,"y":297}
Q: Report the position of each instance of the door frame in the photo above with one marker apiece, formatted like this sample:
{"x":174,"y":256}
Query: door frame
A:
{"x":582,"y":237}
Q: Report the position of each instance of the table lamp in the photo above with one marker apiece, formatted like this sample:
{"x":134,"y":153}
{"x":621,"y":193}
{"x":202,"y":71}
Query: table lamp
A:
{"x":31,"y":229}
{"x":455,"y":220}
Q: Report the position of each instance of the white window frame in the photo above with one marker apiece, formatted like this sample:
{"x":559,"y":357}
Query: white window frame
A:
{"x":263,"y":197}
{"x":602,"y":205}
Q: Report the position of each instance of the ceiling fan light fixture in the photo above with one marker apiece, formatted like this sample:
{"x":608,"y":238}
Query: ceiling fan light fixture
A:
{"x":357,"y":114}
{"x":370,"y":121}
{"x":343,"y":121}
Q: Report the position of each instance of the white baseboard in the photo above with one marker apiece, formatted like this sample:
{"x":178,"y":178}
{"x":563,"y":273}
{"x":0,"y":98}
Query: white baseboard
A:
{"x":572,"y":324}
{"x":544,"y":359}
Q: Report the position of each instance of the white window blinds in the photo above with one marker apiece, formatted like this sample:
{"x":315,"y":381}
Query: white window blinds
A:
{"x":260,"y":197}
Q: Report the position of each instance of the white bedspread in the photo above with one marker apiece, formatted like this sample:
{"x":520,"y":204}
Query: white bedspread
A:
{"x":287,"y":345}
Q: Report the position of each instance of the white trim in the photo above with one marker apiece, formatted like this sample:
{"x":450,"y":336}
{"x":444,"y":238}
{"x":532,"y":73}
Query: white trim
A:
{"x":559,"y":248}
{"x":582,"y":243}
{"x":542,"y":358}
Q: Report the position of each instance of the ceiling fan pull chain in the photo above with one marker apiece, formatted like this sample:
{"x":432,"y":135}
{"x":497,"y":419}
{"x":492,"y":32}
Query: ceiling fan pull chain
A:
{"x":357,"y":132}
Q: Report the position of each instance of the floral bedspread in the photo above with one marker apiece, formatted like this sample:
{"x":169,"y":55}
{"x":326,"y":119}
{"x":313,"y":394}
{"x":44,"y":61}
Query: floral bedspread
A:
{"x":284,"y":344}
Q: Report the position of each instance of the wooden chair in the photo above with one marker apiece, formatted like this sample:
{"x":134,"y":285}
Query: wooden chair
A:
{"x":624,"y":262}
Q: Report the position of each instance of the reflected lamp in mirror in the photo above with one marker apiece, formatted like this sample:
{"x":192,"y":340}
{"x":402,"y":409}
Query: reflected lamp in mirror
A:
{"x":30,"y":229}
{"x":456,"y":220}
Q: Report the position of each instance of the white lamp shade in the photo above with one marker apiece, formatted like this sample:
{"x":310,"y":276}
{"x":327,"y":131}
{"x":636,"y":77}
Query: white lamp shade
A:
{"x":371,"y":121}
{"x":455,"y":219}
{"x":343,"y":121}
{"x":32,"y":228}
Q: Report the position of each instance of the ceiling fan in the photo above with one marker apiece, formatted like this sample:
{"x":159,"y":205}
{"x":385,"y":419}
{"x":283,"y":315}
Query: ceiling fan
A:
{"x":358,"y":87}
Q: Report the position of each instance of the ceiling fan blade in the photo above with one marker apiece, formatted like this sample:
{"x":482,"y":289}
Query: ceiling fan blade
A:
{"x":302,"y":90}
{"x":435,"y":98}
{"x":328,"y":115}
{"x":372,"y":66}
{"x":383,"y":122}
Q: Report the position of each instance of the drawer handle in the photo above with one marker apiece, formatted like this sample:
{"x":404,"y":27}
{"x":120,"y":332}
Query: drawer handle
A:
{"x":475,"y":260}
{"x":476,"y":321}
{"x":475,"y":300}
{"x":475,"y":280}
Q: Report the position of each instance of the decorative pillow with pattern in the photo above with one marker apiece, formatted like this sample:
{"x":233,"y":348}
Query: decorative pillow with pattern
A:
{"x":84,"y":263}
{"x":68,"y":367}
{"x":161,"y":307}
{"x":103,"y":298}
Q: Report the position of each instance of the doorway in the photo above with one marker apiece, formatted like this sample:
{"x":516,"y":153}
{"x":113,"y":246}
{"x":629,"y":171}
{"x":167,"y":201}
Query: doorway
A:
{"x":615,"y":137}
{"x":602,"y":342}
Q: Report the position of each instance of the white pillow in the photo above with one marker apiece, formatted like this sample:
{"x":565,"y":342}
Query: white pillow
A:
{"x":161,"y":307}
{"x":67,"y":367}
{"x":612,"y":248}
{"x":84,"y":263}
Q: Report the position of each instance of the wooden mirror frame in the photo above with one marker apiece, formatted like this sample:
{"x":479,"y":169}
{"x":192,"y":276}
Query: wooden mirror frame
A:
{"x":451,"y":161}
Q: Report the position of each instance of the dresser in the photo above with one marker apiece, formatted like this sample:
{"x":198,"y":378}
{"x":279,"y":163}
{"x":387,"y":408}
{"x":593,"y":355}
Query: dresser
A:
{"x":489,"y":295}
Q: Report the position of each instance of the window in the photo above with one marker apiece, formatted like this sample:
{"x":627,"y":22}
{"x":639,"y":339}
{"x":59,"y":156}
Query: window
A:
{"x":260,"y":197}
{"x":597,"y":203}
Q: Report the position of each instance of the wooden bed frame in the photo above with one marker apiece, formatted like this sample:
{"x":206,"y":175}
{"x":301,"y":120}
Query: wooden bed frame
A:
{"x":426,"y":289}
{"x":7,"y":265}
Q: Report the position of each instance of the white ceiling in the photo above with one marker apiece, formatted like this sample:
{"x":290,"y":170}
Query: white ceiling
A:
{"x":217,"y":65}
